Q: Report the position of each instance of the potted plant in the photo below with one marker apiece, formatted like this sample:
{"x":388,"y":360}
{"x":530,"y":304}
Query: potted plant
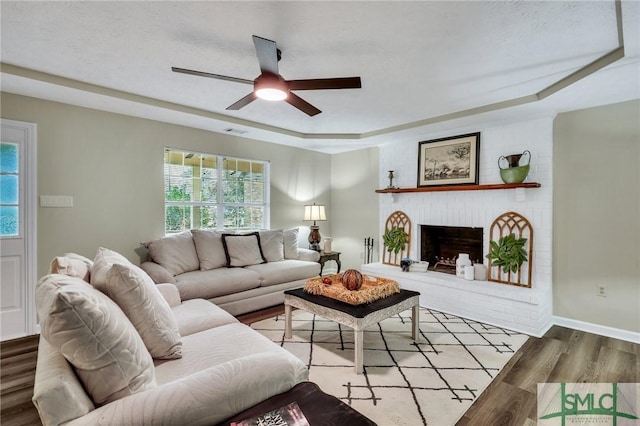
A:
{"x":508,"y":252}
{"x":395,"y":239}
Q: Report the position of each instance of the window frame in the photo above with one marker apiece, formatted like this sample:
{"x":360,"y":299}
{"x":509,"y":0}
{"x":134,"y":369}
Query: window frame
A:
{"x":219,"y":204}
{"x":20,"y":182}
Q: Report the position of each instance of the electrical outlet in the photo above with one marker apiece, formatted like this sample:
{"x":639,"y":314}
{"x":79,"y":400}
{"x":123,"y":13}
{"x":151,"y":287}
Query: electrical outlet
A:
{"x":602,"y":290}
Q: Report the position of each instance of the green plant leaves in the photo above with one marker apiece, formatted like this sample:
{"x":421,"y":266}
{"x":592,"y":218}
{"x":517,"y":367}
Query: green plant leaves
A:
{"x":508,"y":252}
{"x":395,"y":239}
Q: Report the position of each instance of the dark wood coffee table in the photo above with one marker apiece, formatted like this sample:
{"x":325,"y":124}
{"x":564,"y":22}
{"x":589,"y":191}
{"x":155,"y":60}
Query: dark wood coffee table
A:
{"x":357,"y":317}
{"x":319,"y":408}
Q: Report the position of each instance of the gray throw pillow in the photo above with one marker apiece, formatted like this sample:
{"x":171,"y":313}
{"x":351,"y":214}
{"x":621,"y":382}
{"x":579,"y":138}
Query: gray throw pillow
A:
{"x":177,"y":253}
{"x":291,"y":250}
{"x":210,"y":249}
{"x":272,"y":244}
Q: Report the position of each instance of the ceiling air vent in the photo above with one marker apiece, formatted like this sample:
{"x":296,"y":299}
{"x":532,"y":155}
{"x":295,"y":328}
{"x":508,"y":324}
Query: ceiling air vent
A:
{"x":235,"y":131}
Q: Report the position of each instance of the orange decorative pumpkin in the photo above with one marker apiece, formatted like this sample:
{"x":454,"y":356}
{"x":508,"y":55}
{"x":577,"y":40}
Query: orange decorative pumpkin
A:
{"x":352,"y":279}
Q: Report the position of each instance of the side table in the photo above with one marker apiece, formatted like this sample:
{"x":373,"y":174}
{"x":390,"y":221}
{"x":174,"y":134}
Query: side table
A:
{"x":332,"y":255}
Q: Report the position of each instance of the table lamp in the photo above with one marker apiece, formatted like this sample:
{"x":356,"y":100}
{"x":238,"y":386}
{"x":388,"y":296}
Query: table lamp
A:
{"x":314,"y":212}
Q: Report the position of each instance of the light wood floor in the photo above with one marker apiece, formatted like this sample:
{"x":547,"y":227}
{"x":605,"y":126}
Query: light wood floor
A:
{"x":562,"y":355}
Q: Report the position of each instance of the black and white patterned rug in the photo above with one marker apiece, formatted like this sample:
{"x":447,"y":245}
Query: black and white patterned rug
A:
{"x":432,"y":382}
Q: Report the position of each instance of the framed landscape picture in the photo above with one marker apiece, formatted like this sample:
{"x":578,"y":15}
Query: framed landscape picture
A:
{"x":449,"y":161}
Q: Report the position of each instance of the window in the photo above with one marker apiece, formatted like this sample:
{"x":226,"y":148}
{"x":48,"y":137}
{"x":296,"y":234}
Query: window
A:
{"x":9,"y":190}
{"x":205,"y":191}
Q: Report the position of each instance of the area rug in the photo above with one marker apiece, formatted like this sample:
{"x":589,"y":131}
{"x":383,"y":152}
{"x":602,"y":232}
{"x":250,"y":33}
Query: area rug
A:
{"x":432,"y":382}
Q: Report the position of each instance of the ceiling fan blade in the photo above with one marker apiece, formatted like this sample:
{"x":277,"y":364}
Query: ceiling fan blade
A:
{"x":243,"y":102}
{"x":267,"y":53}
{"x":207,"y":74}
{"x":302,"y":105}
{"x":325,"y":83}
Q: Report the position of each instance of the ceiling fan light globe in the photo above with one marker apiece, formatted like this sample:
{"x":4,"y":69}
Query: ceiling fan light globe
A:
{"x":271,"y":94}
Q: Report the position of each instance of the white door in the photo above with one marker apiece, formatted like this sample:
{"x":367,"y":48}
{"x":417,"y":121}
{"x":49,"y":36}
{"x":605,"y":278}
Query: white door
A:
{"x":17,"y":229}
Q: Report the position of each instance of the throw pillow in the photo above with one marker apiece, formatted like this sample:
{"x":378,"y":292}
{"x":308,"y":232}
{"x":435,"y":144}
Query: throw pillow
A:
{"x":291,"y":243}
{"x":176,"y":253}
{"x":242,"y":249}
{"x":210,"y":249}
{"x":136,"y":294}
{"x":72,"y":264}
{"x":103,"y":261}
{"x":272,"y":244}
{"x":157,"y":273}
{"x":95,"y":336}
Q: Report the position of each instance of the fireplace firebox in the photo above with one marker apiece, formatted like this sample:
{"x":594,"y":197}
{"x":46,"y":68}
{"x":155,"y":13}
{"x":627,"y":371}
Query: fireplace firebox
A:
{"x":441,"y":245}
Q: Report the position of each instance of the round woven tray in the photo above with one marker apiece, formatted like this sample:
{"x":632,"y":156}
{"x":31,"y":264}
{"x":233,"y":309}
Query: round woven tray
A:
{"x":373,"y":288}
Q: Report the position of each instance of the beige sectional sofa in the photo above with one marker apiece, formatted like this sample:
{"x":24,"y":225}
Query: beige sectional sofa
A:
{"x":117,"y":349}
{"x":238,"y":272}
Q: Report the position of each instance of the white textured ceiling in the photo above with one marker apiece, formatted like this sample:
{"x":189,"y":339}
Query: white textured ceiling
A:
{"x":418,"y":61}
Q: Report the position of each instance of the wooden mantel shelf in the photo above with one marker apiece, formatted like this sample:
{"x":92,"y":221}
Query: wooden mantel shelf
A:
{"x":460,"y":188}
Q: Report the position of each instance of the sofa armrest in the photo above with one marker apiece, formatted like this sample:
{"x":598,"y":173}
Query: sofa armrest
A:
{"x":206,"y":397}
{"x":158,"y":273}
{"x":170,"y":293}
{"x":309,"y":255}
{"x":57,"y":393}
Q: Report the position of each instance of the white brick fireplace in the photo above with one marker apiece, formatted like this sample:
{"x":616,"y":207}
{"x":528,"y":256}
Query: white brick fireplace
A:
{"x":527,"y":310}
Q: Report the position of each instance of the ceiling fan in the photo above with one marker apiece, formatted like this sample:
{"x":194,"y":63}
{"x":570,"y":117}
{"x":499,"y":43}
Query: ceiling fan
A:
{"x":270,"y":85}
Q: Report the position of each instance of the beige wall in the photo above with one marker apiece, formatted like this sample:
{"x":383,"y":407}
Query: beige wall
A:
{"x":354,"y":206}
{"x":597,"y":215}
{"x":112,"y":165}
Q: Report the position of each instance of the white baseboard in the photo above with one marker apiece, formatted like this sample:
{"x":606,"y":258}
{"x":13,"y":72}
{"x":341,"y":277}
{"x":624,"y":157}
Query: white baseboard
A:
{"x":602,"y":330}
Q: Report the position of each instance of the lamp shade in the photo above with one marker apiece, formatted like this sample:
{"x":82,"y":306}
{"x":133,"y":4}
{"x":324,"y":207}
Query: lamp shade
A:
{"x":314,"y":212}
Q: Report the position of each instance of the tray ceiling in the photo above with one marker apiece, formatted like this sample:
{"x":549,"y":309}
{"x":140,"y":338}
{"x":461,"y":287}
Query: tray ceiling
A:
{"x":425,"y":66}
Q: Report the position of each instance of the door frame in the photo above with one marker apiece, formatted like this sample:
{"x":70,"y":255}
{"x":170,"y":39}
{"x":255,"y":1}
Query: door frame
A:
{"x":30,"y":131}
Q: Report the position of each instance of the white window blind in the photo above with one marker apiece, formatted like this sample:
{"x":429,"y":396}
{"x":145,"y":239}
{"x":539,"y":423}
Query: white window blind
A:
{"x":206,"y":191}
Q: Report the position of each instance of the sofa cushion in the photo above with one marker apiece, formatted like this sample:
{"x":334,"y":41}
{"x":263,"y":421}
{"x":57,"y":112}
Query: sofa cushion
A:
{"x":210,"y":249}
{"x":198,"y":315}
{"x":95,"y":336}
{"x":242,"y":249}
{"x":291,"y":243}
{"x":216,"y":282}
{"x":177,"y":253}
{"x":284,"y":271}
{"x":272,"y":244}
{"x":72,"y":264}
{"x":170,"y":293}
{"x":222,"y":344}
{"x":103,"y":261}
{"x":136,"y":294}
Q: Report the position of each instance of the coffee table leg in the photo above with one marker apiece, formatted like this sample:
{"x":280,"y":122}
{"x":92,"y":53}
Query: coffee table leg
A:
{"x":287,"y":321}
{"x":358,"y":336}
{"x":415,"y":322}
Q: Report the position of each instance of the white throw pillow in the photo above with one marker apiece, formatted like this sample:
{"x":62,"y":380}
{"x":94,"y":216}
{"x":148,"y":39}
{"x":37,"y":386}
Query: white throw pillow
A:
{"x":242,"y":249}
{"x":136,"y":294}
{"x":210,"y":249}
{"x":177,"y":253}
{"x":72,"y":264}
{"x":103,"y":261}
{"x":95,"y":336}
{"x":272,"y":244}
{"x":291,"y":243}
